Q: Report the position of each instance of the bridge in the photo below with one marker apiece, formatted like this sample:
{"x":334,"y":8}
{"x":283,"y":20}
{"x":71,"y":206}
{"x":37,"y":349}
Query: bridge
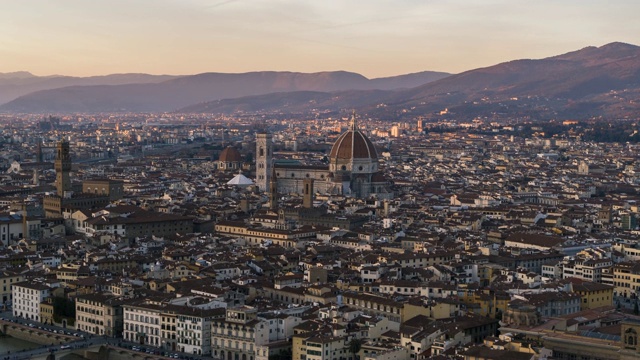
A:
{"x":35,"y":335}
{"x":97,"y":351}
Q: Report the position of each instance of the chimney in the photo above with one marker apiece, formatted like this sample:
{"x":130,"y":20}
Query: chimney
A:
{"x":36,"y":177}
{"x":307,"y":192}
{"x":244,"y":205}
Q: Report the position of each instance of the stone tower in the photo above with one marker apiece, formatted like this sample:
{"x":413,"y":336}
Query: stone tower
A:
{"x":307,"y":193}
{"x":63,"y":168}
{"x":273,"y":191}
{"x":264,"y":151}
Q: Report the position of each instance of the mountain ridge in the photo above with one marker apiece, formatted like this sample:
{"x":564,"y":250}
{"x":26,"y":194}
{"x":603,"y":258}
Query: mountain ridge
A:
{"x":13,"y":86}
{"x":178,"y":92}
{"x":590,"y":82}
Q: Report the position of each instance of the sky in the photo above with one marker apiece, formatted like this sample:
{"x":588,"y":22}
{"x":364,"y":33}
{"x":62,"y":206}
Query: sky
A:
{"x":371,"y":37}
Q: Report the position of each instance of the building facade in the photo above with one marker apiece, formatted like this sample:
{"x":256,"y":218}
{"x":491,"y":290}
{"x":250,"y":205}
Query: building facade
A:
{"x":99,"y":314}
{"x":142,"y":324}
{"x":264,"y":153}
{"x":27,"y":296}
{"x":352,"y":170}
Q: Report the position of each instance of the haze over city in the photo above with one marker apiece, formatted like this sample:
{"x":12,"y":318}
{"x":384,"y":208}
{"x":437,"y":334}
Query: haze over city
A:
{"x":376,"y":38}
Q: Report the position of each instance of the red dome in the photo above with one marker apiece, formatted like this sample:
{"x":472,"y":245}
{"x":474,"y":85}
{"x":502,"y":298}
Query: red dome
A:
{"x":230,"y":154}
{"x":353,"y":144}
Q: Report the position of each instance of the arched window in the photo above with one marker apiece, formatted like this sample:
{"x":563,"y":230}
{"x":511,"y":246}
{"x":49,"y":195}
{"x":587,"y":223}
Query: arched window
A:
{"x":631,"y":337}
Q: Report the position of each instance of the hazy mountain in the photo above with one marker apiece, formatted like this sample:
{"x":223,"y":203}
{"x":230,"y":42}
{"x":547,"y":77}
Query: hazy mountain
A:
{"x":16,"y":75}
{"x":290,"y":102}
{"x":594,"y":81}
{"x":182,"y":91}
{"x":559,"y":81}
{"x":406,"y":81}
{"x":16,"y":84}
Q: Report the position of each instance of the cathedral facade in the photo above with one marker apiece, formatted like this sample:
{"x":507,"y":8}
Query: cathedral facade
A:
{"x":352,"y":170}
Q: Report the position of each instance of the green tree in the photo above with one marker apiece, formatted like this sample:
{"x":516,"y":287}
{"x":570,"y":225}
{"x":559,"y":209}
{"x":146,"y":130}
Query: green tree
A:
{"x":283,"y":354}
{"x":354,"y":346}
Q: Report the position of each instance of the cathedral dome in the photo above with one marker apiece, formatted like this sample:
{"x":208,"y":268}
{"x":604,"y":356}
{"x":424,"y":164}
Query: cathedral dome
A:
{"x":353,"y":144}
{"x":230,"y":154}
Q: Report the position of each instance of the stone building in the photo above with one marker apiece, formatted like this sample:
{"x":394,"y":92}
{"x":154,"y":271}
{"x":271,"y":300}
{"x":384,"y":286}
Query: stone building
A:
{"x":229,"y":159}
{"x":352,"y":170}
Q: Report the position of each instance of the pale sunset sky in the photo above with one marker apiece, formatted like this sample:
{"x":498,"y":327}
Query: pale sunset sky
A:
{"x":372,"y":37}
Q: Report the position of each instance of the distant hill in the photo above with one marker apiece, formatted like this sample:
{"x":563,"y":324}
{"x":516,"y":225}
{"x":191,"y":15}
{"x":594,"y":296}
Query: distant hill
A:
{"x":551,"y":85}
{"x":17,"y":75}
{"x":16,"y":84}
{"x":406,"y":81}
{"x":290,"y":102}
{"x":591,"y":82}
{"x":182,"y":91}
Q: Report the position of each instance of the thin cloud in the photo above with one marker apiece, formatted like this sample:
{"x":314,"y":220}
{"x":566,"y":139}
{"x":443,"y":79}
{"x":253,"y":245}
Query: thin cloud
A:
{"x":222,"y":3}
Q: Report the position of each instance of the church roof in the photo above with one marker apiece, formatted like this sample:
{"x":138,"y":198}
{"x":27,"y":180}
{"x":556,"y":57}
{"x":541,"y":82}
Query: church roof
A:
{"x":353,"y":144}
{"x":230,"y":154}
{"x":240,"y":180}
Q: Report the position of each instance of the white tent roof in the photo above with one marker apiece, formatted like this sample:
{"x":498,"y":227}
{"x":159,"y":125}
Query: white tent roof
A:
{"x":240,"y":180}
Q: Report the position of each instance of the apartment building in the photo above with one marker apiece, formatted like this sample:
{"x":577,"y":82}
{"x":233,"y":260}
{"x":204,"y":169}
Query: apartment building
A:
{"x":27,"y":296}
{"x":326,"y":347}
{"x":193,"y":329}
{"x":243,"y":335}
{"x":256,"y":236}
{"x":8,"y":278}
{"x":594,"y":295}
{"x":100,"y":314}
{"x":142,"y":323}
{"x":626,"y":278}
{"x":394,"y":310}
{"x":131,"y":222}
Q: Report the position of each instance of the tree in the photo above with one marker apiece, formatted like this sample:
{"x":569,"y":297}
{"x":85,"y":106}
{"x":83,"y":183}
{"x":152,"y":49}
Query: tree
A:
{"x":283,"y":354}
{"x":636,"y":310}
{"x":354,"y":346}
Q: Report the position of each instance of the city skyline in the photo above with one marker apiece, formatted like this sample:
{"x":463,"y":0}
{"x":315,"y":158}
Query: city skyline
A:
{"x":381,"y":39}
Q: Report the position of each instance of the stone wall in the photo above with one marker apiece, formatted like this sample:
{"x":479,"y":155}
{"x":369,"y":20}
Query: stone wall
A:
{"x":35,"y":335}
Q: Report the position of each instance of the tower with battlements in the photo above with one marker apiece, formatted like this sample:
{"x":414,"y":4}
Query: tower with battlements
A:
{"x":63,"y":168}
{"x":264,"y":153}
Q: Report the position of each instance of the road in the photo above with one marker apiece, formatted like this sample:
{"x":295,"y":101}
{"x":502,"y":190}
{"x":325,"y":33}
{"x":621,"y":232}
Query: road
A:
{"x":44,"y":350}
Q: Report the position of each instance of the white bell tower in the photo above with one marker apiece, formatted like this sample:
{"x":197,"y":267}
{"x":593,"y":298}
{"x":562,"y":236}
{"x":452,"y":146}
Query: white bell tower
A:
{"x":264,"y":151}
